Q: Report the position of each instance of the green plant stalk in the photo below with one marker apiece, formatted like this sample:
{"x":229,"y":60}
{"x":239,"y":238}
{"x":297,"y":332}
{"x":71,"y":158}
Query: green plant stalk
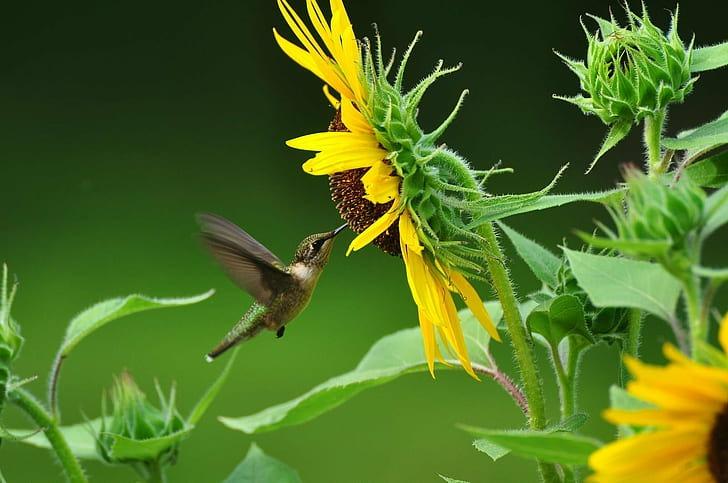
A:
{"x":156,"y":473}
{"x":634,"y":337}
{"x":35,"y":410}
{"x":520,"y":339}
{"x":696,"y":321}
{"x":566,"y":384}
{"x":653,"y":128}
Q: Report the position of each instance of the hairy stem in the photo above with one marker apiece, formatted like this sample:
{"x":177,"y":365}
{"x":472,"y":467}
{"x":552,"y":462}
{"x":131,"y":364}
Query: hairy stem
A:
{"x":696,"y":320}
{"x":520,"y":339}
{"x":634,"y":337}
{"x":653,"y":138}
{"x":35,"y":410}
{"x":566,"y":385}
{"x":505,"y":382}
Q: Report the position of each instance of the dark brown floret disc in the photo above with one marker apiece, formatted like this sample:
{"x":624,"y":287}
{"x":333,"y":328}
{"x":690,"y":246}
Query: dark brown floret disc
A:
{"x":347,"y":193}
{"x":718,"y":448}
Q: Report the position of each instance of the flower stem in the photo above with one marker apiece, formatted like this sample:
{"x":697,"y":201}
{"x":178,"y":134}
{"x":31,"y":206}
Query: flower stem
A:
{"x":520,"y":339}
{"x":653,"y":137}
{"x":696,"y":321}
{"x":634,"y":336}
{"x":156,"y":473}
{"x":566,"y":384}
{"x":35,"y":410}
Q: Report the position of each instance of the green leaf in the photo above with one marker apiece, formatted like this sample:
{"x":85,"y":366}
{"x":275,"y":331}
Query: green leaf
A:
{"x":716,"y":211}
{"x":500,"y":211}
{"x":102,"y":313}
{"x":124,"y":448}
{"x":258,"y":467}
{"x":708,"y":135}
{"x":544,"y":264}
{"x":451,"y":480}
{"x":79,"y":437}
{"x":711,"y":172}
{"x":558,"y":318}
{"x":617,"y":132}
{"x":708,"y":58}
{"x":389,"y":358}
{"x":572,"y":423}
{"x":206,"y":400}
{"x":619,"y":282}
{"x":552,"y":447}
{"x":82,"y":441}
{"x":495,"y":451}
{"x":711,"y":355}
{"x":654,"y":248}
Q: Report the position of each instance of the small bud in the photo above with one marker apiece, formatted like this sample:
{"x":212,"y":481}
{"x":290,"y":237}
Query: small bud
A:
{"x":631,"y":73}
{"x":10,"y":338}
{"x":136,"y":419}
{"x":656,"y":212}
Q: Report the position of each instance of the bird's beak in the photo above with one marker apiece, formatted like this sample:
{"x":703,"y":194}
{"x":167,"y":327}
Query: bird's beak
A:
{"x":337,"y":231}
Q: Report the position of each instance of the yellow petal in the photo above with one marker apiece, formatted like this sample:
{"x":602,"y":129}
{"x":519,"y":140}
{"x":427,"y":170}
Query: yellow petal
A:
{"x":335,"y":103}
{"x":297,"y":54}
{"x":334,"y":141}
{"x":325,"y":164}
{"x":429,"y":342}
{"x":474,"y":303}
{"x":408,"y":233}
{"x":353,"y":119}
{"x":379,"y":185}
{"x":375,"y":229}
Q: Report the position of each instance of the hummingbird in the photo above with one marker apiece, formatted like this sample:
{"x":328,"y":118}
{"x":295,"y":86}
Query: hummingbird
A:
{"x":281,"y":292}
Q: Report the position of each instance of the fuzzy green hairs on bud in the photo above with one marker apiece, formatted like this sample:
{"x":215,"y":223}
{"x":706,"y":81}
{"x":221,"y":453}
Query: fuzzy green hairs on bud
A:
{"x":133,"y":419}
{"x":632,"y":74}
{"x":10,"y":338}
{"x":657,"y":221}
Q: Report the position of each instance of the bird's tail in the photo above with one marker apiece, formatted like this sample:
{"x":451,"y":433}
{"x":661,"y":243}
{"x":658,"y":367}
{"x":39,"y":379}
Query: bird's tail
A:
{"x":247,"y":327}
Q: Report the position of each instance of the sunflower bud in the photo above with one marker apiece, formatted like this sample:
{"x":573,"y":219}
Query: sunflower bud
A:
{"x":656,"y":221}
{"x":134,"y":420}
{"x":631,"y":73}
{"x":10,"y":338}
{"x":656,"y":212}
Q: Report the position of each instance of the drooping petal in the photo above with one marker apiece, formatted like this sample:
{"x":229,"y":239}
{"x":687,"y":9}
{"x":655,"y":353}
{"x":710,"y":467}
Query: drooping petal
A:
{"x":474,"y":303}
{"x":379,"y":184}
{"x":376,"y":228}
{"x":326,"y":163}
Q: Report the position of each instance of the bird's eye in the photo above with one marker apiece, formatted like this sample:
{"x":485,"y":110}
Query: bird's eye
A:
{"x":316,"y":245}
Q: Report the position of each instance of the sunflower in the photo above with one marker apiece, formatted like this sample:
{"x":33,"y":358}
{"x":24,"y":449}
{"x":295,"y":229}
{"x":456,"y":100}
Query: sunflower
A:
{"x":687,"y":436}
{"x":389,"y":180}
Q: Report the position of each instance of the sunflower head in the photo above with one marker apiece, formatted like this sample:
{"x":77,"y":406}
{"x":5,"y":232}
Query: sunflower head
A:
{"x":389,"y":178}
{"x":683,"y":425}
{"x":134,"y":418}
{"x":632,"y":72}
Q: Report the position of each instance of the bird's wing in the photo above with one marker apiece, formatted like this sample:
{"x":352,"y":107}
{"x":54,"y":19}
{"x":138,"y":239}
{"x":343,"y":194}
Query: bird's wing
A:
{"x":248,"y":263}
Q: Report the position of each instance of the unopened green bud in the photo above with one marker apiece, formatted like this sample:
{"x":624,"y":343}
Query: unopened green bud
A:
{"x":10,"y":338}
{"x":656,"y":212}
{"x":134,"y":419}
{"x":631,"y":73}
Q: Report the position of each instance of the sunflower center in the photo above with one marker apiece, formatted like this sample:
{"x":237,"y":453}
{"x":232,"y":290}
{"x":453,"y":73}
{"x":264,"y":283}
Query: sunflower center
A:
{"x":718,"y":448}
{"x":347,"y":193}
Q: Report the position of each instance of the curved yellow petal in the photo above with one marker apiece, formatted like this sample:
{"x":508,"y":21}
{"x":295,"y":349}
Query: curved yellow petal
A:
{"x":335,"y":103}
{"x":353,"y":119}
{"x":325,"y":164}
{"x":334,"y":141}
{"x":474,"y":303}
{"x":375,"y":229}
{"x":298,"y":55}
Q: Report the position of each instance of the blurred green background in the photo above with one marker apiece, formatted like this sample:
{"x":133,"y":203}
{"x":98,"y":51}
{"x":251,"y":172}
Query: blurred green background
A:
{"x":120,"y":120}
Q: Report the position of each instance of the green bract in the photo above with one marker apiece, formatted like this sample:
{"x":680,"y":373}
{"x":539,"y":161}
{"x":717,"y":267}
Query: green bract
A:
{"x":631,"y":73}
{"x":134,"y":419}
{"x":442,"y":192}
{"x":10,"y":339}
{"x":658,"y":221}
